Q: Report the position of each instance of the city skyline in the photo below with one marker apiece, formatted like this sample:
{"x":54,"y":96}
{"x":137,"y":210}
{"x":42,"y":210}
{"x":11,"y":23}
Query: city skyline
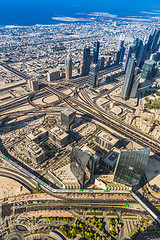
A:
{"x":79,"y":120}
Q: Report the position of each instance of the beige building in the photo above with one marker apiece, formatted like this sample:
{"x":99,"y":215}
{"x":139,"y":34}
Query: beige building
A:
{"x":68,"y":67}
{"x":37,"y":135}
{"x":156,"y":132}
{"x":58,"y":136}
{"x":35,"y":153}
{"x":106,"y":140}
{"x":52,"y":76}
{"x":33,"y":85}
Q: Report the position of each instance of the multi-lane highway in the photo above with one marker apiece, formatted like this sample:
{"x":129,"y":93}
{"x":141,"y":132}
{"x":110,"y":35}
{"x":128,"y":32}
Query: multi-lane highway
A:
{"x":46,"y":186}
{"x":109,"y":120}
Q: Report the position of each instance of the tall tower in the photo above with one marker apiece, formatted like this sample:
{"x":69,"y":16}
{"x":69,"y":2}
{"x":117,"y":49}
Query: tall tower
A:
{"x":155,"y":42}
{"x":129,"y":78}
{"x":92,"y":78}
{"x":85,"y":61}
{"x":96,"y":52}
{"x":68,"y":67}
{"x":126,"y":57}
{"x":121,"y":50}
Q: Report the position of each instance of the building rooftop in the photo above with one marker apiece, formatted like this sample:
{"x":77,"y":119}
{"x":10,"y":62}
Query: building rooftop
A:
{"x":35,"y":133}
{"x":108,"y":137}
{"x":35,"y":148}
{"x":60,"y":133}
{"x":68,"y":111}
{"x":150,"y":62}
{"x":111,"y":158}
{"x":91,"y":152}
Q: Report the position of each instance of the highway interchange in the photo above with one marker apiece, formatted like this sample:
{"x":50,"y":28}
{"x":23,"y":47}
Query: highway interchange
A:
{"x":82,"y":103}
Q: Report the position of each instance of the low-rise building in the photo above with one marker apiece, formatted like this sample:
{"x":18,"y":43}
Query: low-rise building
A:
{"x":37,"y":135}
{"x":106,"y":140}
{"x":52,"y":76}
{"x":58,"y":136}
{"x":34,"y":152}
{"x":109,"y":161}
{"x":33,"y":85}
{"x":156,"y":132}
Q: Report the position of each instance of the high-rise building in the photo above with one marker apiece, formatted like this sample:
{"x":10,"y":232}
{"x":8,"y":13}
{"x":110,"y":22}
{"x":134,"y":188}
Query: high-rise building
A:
{"x":85,"y":61}
{"x":68,"y":67}
{"x":121,"y":51}
{"x":33,"y":85}
{"x":92,"y":78}
{"x":148,"y":69}
{"x":82,"y":166}
{"x":135,"y":84}
{"x":130,"y":166}
{"x":68,"y":117}
{"x":150,"y":40}
{"x":102,"y":63}
{"x":126,"y":57}
{"x":96,"y":52}
{"x":155,"y":41}
{"x":129,"y":78}
{"x":108,"y":61}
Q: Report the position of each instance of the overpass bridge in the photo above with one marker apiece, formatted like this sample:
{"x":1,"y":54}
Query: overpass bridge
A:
{"x":20,"y":177}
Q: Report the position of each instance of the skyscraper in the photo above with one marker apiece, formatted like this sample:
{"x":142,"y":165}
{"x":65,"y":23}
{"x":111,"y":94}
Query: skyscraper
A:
{"x":92,"y":78}
{"x":130,"y":166}
{"x":129,"y":78}
{"x":148,"y":69}
{"x":96,"y":52}
{"x":155,"y":41}
{"x":121,"y":50}
{"x":85,"y":61}
{"x":135,"y":84}
{"x":68,"y":67}
{"x":126,"y":57}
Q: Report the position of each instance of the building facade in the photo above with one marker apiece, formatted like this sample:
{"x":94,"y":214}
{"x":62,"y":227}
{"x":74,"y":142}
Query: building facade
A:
{"x":96,"y":52}
{"x":52,"y":76}
{"x":93,"y":77}
{"x":85,"y":61}
{"x":130,"y":166}
{"x":128,"y":81}
{"x":34,"y":152}
{"x":58,"y":136}
{"x":33,"y":85}
{"x":82,"y":166}
{"x":68,"y":67}
{"x":68,"y":117}
{"x":148,"y":69}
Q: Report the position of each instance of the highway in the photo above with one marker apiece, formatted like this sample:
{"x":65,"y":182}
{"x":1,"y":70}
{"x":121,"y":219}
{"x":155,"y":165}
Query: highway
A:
{"x":77,"y":82}
{"x":13,"y":70}
{"x":109,"y":120}
{"x":46,"y":186}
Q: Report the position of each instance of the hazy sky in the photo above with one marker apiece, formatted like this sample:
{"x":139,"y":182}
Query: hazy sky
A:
{"x":15,"y":11}
{"x":84,"y":4}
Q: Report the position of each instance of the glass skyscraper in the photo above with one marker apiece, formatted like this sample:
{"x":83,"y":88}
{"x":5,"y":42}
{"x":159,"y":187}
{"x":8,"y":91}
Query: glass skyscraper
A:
{"x":93,"y":78}
{"x":130,"y":166}
{"x":96,"y":52}
{"x":85,"y":61}
{"x":128,"y":81}
{"x":148,"y":69}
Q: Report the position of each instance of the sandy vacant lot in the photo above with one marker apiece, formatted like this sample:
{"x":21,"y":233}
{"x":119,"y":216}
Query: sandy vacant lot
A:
{"x":9,"y":187}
